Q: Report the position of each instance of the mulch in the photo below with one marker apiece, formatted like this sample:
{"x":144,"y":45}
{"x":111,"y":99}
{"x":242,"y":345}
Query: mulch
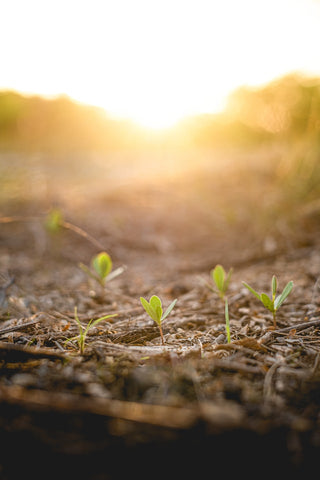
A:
{"x":129,"y":405}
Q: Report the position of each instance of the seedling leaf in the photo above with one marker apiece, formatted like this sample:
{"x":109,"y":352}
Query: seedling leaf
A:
{"x":227,"y":280}
{"x":267,"y":302}
{"x":281,"y":298}
{"x":54,"y":221}
{"x":154,"y":310}
{"x":221,"y":279}
{"x":115,"y":273}
{"x":273,"y":303}
{"x":252,"y":290}
{"x":274,"y":286}
{"x":81,"y":338}
{"x":169,"y":309}
{"x":102,"y":264}
{"x":218,"y":275}
{"x":94,"y":322}
{"x":77,"y":318}
{"x":148,"y":308}
{"x":156,"y":305}
{"x":155,"y":302}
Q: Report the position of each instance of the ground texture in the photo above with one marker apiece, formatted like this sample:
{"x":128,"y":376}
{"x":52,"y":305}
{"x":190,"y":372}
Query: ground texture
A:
{"x":130,"y":405}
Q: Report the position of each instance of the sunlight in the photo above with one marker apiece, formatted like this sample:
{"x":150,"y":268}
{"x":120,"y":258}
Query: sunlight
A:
{"x":155,"y":120}
{"x":156,"y":113}
{"x":155,"y":62}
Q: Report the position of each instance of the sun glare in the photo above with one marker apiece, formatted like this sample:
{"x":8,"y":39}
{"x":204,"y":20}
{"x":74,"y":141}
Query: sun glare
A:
{"x":157,"y":113}
{"x":155,"y":62}
{"x":155,"y":120}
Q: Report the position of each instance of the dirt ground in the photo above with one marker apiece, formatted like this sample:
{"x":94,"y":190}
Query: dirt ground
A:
{"x":130,"y":405}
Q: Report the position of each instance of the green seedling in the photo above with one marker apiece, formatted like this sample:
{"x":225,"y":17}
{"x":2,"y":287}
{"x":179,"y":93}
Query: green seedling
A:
{"x":102,"y":268}
{"x":154,"y":310}
{"x":274,"y":303}
{"x":54,"y":221}
{"x":226,"y":314}
{"x":221,"y":280}
{"x":81,"y":338}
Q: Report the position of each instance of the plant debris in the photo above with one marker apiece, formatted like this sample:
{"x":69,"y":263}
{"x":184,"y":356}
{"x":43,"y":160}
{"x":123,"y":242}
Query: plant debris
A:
{"x":196,"y":395}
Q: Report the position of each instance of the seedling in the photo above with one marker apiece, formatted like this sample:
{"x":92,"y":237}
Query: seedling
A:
{"x":221,"y":279}
{"x":154,"y":310}
{"x":274,"y":303}
{"x":81,"y":338}
{"x":102,"y":268}
{"x":54,"y":221}
{"x":226,"y":314}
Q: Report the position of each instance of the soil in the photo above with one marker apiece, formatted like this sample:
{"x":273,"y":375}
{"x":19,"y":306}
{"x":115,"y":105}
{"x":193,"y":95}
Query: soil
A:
{"x":130,"y":405}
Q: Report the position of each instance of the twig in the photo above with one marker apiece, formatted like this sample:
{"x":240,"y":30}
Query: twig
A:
{"x":21,"y":326}
{"x":82,"y":233}
{"x":62,"y":223}
{"x":10,"y":352}
{"x":299,"y":327}
{"x":18,"y":218}
{"x":268,"y":337}
{"x":267,"y":387}
{"x":236,"y":366}
{"x":163,"y":415}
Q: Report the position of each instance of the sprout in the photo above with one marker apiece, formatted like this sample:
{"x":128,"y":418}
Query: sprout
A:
{"x":154,"y":310}
{"x":221,"y":279}
{"x":54,"y":221}
{"x":272,"y":303}
{"x":102,"y":266}
{"x":81,"y":338}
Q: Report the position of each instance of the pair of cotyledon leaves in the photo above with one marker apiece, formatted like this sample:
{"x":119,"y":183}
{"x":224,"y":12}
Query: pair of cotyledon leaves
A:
{"x":221,"y":278}
{"x":154,"y":308}
{"x":102,"y":264}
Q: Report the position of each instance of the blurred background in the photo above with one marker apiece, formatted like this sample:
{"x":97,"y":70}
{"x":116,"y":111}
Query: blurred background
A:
{"x":197,"y":118}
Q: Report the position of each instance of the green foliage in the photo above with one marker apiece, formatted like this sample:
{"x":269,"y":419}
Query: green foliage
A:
{"x":155,"y":311}
{"x":274,"y":302}
{"x":81,"y":338}
{"x":102,"y":268}
{"x":221,"y":279}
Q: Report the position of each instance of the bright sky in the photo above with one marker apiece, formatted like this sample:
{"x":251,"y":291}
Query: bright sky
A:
{"x":154,"y":60}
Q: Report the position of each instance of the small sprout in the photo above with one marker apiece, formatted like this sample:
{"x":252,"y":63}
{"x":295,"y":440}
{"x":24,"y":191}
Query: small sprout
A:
{"x":226,"y":314}
{"x":274,"y":303}
{"x":54,"y":221}
{"x":154,"y":310}
{"x":102,"y":266}
{"x":81,"y":338}
{"x":221,"y":280}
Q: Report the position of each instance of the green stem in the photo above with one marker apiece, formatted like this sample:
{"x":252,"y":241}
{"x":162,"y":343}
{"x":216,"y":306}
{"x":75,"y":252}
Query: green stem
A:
{"x":226,"y":312}
{"x":81,"y":344}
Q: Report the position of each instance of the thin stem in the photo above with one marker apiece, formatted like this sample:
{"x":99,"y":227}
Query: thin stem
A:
{"x":82,"y":233}
{"x":226,"y":312}
{"x":81,"y":344}
{"x":62,"y":223}
{"x":274,"y":319}
{"x":162,"y":337}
